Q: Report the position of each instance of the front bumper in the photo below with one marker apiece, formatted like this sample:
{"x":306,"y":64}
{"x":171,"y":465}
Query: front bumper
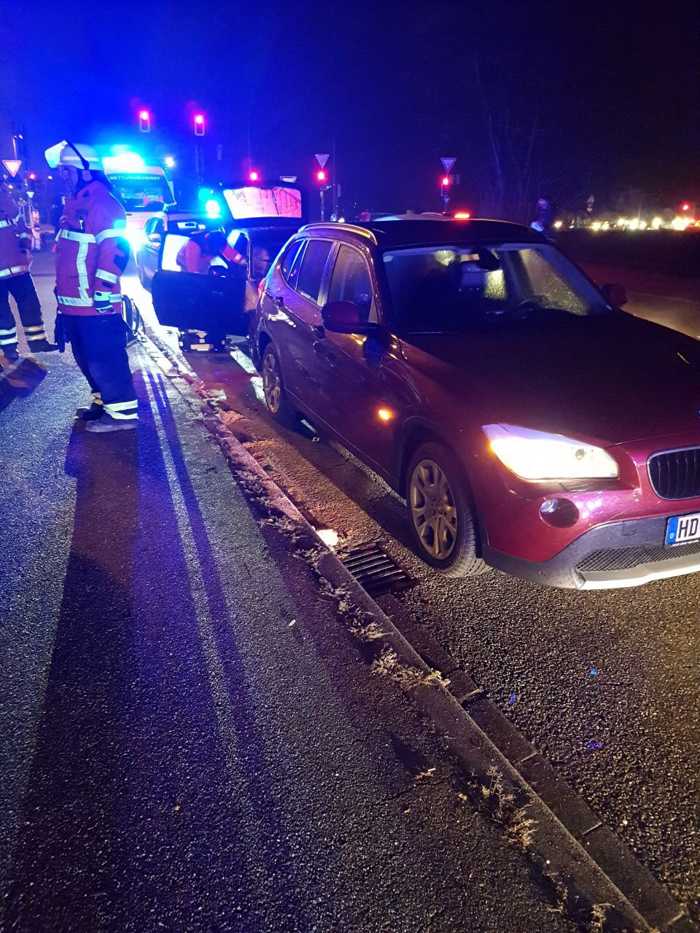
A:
{"x":619,"y":554}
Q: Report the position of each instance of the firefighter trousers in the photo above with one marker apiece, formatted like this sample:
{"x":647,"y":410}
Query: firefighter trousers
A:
{"x":99,"y":348}
{"x":21,"y":287}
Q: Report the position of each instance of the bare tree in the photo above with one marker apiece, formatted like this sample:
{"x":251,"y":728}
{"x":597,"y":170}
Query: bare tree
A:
{"x":512,"y":129}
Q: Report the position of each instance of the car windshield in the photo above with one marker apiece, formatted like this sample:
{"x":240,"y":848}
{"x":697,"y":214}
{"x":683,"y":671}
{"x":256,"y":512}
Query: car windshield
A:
{"x":450,"y":288}
{"x":140,"y":191}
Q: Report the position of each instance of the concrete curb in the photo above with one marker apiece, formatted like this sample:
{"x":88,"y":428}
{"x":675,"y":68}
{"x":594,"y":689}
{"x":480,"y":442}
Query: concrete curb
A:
{"x":582,"y":861}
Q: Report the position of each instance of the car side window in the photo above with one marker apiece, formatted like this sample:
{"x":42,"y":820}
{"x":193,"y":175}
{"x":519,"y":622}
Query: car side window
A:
{"x":351,"y":281}
{"x":312,"y":268}
{"x":290,"y":255}
{"x":296,"y":264}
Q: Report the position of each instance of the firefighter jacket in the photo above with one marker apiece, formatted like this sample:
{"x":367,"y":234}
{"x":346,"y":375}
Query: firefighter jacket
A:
{"x":192,"y":258}
{"x":91,"y":253}
{"x":15,"y":239}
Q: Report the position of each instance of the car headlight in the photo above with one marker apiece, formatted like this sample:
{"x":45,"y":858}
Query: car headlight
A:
{"x":536,"y":455}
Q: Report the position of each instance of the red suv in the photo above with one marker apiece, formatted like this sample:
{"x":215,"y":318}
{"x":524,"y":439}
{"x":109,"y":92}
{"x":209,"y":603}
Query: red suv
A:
{"x":529,"y":424}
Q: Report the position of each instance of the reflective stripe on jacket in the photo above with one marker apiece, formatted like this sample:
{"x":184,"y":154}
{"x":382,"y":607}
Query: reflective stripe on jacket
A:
{"x":91,"y":253}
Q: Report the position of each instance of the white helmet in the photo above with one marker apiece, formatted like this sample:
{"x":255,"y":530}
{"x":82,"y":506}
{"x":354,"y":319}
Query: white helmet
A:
{"x":79,"y":155}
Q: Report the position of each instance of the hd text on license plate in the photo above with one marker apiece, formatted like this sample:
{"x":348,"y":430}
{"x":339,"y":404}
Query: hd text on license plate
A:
{"x":682,"y":529}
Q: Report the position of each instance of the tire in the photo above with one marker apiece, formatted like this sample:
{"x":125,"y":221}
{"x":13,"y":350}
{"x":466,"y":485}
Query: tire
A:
{"x":448,"y":538}
{"x":276,"y":400}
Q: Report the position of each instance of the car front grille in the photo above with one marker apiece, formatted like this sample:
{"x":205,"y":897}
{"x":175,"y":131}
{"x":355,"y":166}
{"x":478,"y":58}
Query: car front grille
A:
{"x":676,"y":474}
{"x":626,"y":558}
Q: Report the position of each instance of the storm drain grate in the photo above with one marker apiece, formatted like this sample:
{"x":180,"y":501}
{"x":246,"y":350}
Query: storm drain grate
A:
{"x":374,"y":570}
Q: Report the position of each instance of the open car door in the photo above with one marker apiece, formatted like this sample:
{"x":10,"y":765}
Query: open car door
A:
{"x":212,"y":302}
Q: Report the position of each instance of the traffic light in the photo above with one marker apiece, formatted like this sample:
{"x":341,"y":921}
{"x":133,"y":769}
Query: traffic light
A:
{"x":445,"y":181}
{"x":200,"y":127}
{"x":685,"y":206}
{"x":321,"y":176}
{"x":253,"y":175}
{"x":144,"y":121}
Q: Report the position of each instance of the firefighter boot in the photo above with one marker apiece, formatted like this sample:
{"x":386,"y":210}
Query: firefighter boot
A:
{"x":90,"y":414}
{"x":107,"y":423}
{"x":42,"y":345}
{"x":94,"y":411}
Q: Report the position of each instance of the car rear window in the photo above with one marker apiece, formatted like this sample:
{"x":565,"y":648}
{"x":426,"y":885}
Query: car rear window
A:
{"x":312,"y":268}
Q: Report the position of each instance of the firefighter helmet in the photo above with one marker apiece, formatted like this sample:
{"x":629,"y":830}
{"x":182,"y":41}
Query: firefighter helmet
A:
{"x":79,"y":155}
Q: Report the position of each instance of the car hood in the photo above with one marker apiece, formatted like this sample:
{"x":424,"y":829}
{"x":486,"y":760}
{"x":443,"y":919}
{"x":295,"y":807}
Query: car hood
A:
{"x":611,"y":377}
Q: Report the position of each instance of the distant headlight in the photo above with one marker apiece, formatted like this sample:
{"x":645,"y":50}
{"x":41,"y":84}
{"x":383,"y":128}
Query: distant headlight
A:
{"x":136,"y":239}
{"x":535,"y":455}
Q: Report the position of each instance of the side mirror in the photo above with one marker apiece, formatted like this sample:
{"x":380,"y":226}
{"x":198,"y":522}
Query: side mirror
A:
{"x":344,"y":317}
{"x":615,"y":295}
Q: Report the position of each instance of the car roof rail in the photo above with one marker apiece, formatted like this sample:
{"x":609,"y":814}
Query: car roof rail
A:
{"x":338,"y":227}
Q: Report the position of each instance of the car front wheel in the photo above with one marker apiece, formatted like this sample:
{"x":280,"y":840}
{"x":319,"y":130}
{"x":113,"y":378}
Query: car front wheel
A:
{"x":276,"y":400}
{"x":441,"y":515}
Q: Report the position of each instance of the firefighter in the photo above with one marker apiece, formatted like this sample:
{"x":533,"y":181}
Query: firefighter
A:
{"x":91,"y":255}
{"x":198,"y":252}
{"x":15,"y":280}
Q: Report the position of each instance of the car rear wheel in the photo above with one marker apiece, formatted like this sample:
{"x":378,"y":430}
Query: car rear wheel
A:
{"x":441,"y":514}
{"x":276,"y":400}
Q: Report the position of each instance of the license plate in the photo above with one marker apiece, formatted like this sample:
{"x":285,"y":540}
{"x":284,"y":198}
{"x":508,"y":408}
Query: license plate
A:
{"x":683,"y":528}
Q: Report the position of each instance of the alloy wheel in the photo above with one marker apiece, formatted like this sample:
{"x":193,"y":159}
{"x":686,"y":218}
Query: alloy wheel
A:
{"x":272,"y":382}
{"x":433,"y":509}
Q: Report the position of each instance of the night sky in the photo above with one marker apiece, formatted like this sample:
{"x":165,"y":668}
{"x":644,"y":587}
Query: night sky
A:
{"x":593,"y":100}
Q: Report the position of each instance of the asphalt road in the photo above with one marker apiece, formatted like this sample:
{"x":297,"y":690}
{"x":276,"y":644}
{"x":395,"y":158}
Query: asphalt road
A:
{"x":673,"y":302}
{"x":604,"y":684}
{"x":190,"y":738}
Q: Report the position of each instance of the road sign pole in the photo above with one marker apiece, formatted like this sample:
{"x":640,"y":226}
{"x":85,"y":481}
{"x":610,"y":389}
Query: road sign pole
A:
{"x":322,"y":158}
{"x":448,"y":163}
{"x":334,"y":190}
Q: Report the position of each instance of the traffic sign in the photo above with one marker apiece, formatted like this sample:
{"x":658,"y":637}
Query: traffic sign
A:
{"x":447,"y":163}
{"x":322,"y":158}
{"x":12,"y":166}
